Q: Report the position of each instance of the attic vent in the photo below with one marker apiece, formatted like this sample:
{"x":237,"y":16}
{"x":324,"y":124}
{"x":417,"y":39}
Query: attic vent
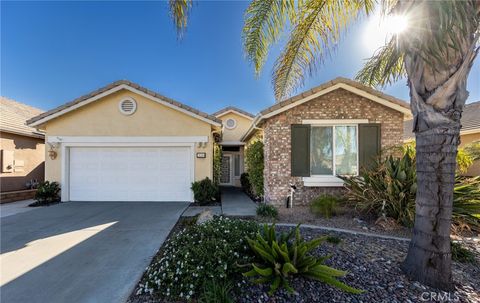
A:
{"x":127,"y":106}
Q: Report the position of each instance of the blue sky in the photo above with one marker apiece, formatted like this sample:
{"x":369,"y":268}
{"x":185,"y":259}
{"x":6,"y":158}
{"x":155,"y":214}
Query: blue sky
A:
{"x":53,"y":52}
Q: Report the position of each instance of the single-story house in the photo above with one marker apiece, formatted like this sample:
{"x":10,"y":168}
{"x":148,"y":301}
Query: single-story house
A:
{"x":124,"y":142}
{"x":332,"y":129}
{"x":22,"y":151}
{"x":469,"y":133}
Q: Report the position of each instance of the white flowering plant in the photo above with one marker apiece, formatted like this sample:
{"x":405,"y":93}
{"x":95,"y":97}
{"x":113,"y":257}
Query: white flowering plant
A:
{"x":199,"y":253}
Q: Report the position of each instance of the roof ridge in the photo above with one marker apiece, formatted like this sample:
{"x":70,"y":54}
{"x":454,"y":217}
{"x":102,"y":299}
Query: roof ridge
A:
{"x":130,"y":84}
{"x":231,"y":107}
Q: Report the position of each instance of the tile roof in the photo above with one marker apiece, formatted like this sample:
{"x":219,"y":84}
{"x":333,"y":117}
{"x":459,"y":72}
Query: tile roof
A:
{"x":13,"y":116}
{"x":470,"y":121}
{"x":328,"y":84}
{"x":133,"y":85}
{"x":228,"y":108}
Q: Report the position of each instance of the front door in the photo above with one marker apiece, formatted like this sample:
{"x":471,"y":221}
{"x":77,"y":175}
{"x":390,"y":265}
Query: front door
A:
{"x":226,"y":174}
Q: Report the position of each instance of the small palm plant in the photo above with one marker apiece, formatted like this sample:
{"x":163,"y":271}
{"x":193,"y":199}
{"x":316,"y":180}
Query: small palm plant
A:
{"x":279,"y":257}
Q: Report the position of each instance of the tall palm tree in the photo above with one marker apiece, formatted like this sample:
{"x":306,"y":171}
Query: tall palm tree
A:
{"x":435,"y":54}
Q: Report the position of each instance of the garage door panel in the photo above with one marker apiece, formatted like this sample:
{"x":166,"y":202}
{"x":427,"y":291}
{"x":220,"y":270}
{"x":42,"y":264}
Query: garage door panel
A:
{"x":130,"y":174}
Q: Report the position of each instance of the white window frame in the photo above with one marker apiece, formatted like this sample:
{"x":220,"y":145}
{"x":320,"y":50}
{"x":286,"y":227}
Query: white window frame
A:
{"x":331,"y":180}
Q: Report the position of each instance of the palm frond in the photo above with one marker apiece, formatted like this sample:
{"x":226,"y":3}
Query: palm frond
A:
{"x":179,"y":10}
{"x":315,"y":35}
{"x":384,"y":67}
{"x":264,"y":21}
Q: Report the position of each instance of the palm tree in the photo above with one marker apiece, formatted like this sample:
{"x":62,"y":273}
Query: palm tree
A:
{"x":435,"y":54}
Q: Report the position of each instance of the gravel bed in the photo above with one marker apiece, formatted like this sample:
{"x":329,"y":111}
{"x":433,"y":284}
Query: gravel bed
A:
{"x":373,"y":265}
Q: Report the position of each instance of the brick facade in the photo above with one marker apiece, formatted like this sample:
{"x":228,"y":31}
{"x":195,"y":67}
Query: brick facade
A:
{"x":338,"y":104}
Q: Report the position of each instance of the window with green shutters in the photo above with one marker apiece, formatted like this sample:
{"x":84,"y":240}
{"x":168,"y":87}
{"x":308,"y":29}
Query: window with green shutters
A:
{"x":331,"y":150}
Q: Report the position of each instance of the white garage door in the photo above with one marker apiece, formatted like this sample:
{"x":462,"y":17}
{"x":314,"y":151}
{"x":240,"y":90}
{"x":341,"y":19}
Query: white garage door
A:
{"x":130,"y":173}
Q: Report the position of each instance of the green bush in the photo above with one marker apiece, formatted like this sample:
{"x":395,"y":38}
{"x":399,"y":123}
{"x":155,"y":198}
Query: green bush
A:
{"x":390,"y":188}
{"x":216,"y":292}
{"x":47,"y":193}
{"x":199,"y":253}
{"x":473,"y":149}
{"x":267,"y":211}
{"x":205,"y":191}
{"x":217,"y":163}
{"x":255,"y":165}
{"x":245,"y":182}
{"x":325,"y":206}
{"x":461,"y":254}
{"x":278,"y":257}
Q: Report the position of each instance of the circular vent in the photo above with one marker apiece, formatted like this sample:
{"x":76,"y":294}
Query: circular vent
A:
{"x":231,"y":123}
{"x":127,"y":106}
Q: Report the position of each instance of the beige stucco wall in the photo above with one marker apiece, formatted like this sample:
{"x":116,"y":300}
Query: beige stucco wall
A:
{"x":234,"y":134}
{"x":27,"y":149}
{"x":103,"y":118}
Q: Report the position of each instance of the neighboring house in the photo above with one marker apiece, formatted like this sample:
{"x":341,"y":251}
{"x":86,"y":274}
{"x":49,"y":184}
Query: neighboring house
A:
{"x":235,"y":122}
{"x":469,"y":133}
{"x":124,"y":142}
{"x":22,"y":150}
{"x":333,"y":129}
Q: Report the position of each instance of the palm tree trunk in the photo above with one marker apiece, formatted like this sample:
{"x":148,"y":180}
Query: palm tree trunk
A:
{"x":438,"y":96}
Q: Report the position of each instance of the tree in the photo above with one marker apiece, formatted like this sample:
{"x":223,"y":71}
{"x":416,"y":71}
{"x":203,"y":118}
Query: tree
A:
{"x":435,"y":55}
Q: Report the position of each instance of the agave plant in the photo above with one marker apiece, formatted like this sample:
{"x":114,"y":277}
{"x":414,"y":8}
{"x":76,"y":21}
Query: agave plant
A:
{"x":279,"y":257}
{"x":466,"y":204}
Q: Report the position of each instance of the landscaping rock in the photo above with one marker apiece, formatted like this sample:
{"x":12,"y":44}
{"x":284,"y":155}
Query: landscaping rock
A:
{"x":204,"y":216}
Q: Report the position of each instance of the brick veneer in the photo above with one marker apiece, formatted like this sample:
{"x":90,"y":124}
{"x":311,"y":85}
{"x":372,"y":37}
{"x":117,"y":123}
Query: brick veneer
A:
{"x":339,"y":104}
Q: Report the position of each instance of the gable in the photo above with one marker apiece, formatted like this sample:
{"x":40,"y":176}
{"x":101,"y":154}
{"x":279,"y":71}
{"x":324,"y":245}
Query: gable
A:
{"x":104,"y":118}
{"x":242,"y":125}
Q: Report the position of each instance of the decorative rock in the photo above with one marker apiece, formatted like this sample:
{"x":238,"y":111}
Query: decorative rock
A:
{"x":204,"y":216}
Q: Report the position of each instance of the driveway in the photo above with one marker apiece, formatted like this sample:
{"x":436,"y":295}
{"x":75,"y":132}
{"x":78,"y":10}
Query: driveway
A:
{"x":81,"y":251}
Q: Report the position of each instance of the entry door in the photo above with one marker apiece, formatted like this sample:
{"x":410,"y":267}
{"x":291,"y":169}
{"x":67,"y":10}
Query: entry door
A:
{"x":130,"y":173}
{"x":226,"y":174}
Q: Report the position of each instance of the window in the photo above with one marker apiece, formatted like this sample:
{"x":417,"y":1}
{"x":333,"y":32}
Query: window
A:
{"x":333,"y":150}
{"x":231,"y":123}
{"x":236,"y":165}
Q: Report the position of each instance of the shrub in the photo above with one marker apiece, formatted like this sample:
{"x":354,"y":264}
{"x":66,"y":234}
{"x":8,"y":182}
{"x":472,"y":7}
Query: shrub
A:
{"x":254,"y":161}
{"x":216,"y":292}
{"x":217,"y":163}
{"x":461,"y":254}
{"x":333,"y":239}
{"x":267,"y":211}
{"x":278,"y":257}
{"x":47,"y":193}
{"x":198,"y":254}
{"x":245,"y":182}
{"x":205,"y":191}
{"x":473,"y":149}
{"x":324,"y":205}
{"x":390,"y":188}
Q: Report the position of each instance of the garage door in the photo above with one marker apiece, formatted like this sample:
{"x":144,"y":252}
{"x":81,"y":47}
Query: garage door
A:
{"x":130,"y":174}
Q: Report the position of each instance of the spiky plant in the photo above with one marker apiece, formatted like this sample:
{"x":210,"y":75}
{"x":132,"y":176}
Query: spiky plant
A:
{"x":279,"y":257}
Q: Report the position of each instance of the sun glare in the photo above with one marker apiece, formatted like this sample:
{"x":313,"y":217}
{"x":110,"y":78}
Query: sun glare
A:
{"x":379,"y":30}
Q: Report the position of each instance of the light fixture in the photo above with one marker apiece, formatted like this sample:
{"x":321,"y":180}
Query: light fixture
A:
{"x":52,"y":153}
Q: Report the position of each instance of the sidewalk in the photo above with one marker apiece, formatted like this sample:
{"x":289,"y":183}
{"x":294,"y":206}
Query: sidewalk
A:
{"x":236,"y":203}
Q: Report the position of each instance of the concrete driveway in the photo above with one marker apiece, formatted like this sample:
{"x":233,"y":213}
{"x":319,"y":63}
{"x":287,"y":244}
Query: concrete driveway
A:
{"x":81,"y":251}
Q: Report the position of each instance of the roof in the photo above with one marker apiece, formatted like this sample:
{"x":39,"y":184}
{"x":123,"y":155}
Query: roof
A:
{"x":13,"y":116}
{"x":228,"y":109}
{"x":337,"y":83}
{"x":113,"y":87}
{"x":470,"y":121}
{"x":332,"y":84}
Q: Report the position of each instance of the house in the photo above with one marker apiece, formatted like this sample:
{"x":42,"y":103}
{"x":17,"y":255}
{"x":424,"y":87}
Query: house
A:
{"x":22,"y":151}
{"x":469,"y":133}
{"x":235,"y":123}
{"x":332,"y":129}
{"x":124,"y":142}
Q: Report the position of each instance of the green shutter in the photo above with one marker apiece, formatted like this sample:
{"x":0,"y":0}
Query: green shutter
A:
{"x":300,"y":149}
{"x":369,"y":144}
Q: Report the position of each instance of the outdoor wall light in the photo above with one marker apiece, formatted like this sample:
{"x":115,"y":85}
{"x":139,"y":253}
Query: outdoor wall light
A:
{"x":52,"y":153}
